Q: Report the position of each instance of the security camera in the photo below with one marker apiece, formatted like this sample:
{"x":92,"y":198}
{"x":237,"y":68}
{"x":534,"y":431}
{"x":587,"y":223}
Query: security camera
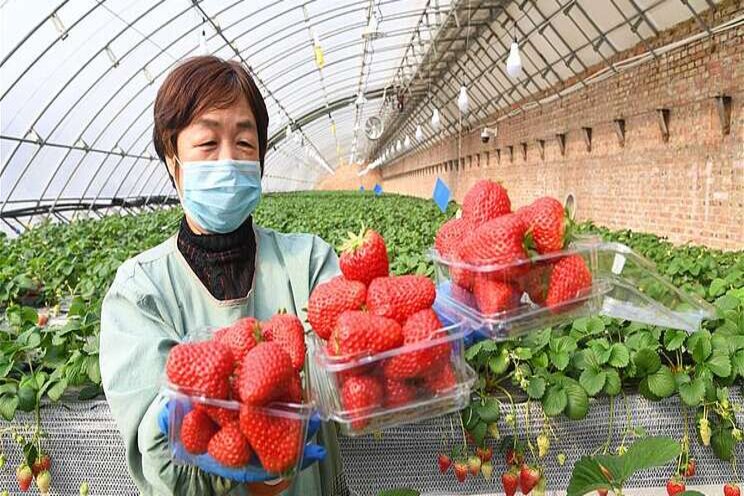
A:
{"x":486,"y":134}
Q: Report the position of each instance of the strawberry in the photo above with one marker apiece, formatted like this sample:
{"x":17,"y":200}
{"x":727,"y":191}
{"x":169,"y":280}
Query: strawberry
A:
{"x":202,"y":367}
{"x":568,"y":280}
{"x":264,"y":374}
{"x":286,"y":330}
{"x":441,"y":380}
{"x":44,"y":481}
{"x":510,"y":481}
{"x":362,"y":332}
{"x":399,"y":297}
{"x":196,"y":431}
{"x":398,"y":393}
{"x":731,"y":489}
{"x":497,"y":242}
{"x":276,"y":439}
{"x":514,"y":457}
{"x":487,"y":470}
{"x":528,"y":478}
{"x":360,"y":395}
{"x":474,"y":465}
{"x":364,"y":257}
{"x":485,"y":201}
{"x":240,"y":337}
{"x":602,"y":492}
{"x":444,"y":463}
{"x":689,"y":471}
{"x":330,"y":299}
{"x":450,"y":235}
{"x":42,"y":319}
{"x":674,"y":486}
{"x":41,"y":463}
{"x":485,"y":454}
{"x":461,"y":471}
{"x":535,"y":282}
{"x":24,"y":476}
{"x":421,"y":326}
{"x":546,"y":224}
{"x":294,"y":390}
{"x":220,"y":416}
{"x":494,"y":296}
{"x":229,"y":447}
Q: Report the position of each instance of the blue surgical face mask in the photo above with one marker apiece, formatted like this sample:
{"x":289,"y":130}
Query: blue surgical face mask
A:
{"x":220,"y":194}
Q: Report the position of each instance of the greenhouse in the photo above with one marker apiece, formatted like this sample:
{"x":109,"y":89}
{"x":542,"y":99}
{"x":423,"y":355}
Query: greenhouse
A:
{"x":372,"y":247}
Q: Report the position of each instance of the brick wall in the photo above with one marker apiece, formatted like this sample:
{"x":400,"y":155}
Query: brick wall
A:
{"x":689,"y":188}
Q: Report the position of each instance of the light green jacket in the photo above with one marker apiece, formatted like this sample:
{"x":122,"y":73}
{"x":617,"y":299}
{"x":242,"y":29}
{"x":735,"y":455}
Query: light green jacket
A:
{"x":154,"y":303}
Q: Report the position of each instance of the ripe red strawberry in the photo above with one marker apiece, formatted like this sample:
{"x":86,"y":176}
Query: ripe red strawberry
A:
{"x":294,"y":390}
{"x":276,"y":439}
{"x":398,"y":393}
{"x":42,"y":319}
{"x":241,"y":336}
{"x":510,"y":481}
{"x":364,"y":257}
{"x":514,"y":457}
{"x":450,"y":235}
{"x":602,"y":492}
{"x":485,"y":201}
{"x":494,"y":296}
{"x":485,"y":454}
{"x":461,"y":471}
{"x":399,"y":297}
{"x":229,"y":446}
{"x":444,"y":463}
{"x":196,"y":431}
{"x":497,"y":242}
{"x":220,"y":416}
{"x":568,"y":280}
{"x":286,"y":330}
{"x":44,"y":481}
{"x":24,"y":476}
{"x":731,"y":489}
{"x":41,"y":463}
{"x":421,"y":326}
{"x":528,"y":478}
{"x":264,"y":374}
{"x":536,"y":280}
{"x":202,"y":367}
{"x":546,"y":224}
{"x":675,"y":486}
{"x":474,"y":465}
{"x":689,"y":471}
{"x":362,"y":332}
{"x":360,"y":395}
{"x":441,"y":380}
{"x":330,"y":299}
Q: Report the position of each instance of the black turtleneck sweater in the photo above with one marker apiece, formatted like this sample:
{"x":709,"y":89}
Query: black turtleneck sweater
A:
{"x":223,"y":262}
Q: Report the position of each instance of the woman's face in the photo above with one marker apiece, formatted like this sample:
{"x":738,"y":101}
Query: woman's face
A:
{"x":218,"y":134}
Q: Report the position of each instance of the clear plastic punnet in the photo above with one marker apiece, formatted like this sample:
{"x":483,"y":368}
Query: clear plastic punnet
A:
{"x":280,"y":432}
{"x":589,"y":278}
{"x":369,"y":392}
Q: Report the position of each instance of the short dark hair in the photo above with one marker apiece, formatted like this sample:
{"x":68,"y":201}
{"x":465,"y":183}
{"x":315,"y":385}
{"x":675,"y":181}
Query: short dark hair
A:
{"x":198,"y":85}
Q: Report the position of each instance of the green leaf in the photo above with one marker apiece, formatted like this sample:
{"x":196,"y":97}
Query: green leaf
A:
{"x":737,"y":363}
{"x":647,"y":361}
{"x":648,"y":453}
{"x":691,"y":493}
{"x":89,"y":392}
{"x":479,"y":433}
{"x":26,"y":398}
{"x":499,"y":363}
{"x":554,"y":401}
{"x":92,"y":367}
{"x":473,"y":351}
{"x":723,"y":443}
{"x":619,"y":355}
{"x":674,"y":339}
{"x":645,"y":391}
{"x":469,"y":418}
{"x":560,"y":359}
{"x":586,"y":477}
{"x":577,"y":401}
{"x":719,"y":364}
{"x":662,"y":383}
{"x":717,"y":287}
{"x":489,"y":411}
{"x":692,"y":393}
{"x":592,"y":380}
{"x":613,"y":385}
{"x":536,"y":388}
{"x":8,"y":405}
{"x":57,"y":390}
{"x":699,"y":345}
{"x":523,"y":353}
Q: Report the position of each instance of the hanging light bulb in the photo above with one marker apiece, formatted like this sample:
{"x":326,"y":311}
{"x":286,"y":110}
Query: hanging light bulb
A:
{"x":435,"y":119}
{"x":419,"y":133}
{"x":407,"y":142}
{"x":462,"y":100}
{"x":514,"y":61}
{"x":398,"y":146}
{"x":319,"y":59}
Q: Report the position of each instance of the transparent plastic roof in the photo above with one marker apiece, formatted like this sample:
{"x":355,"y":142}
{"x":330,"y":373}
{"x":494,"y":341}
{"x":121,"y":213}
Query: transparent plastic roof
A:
{"x":78,"y":79}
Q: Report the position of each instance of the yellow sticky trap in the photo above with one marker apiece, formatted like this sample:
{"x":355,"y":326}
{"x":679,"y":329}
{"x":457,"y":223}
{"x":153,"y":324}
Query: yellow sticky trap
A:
{"x":333,"y":128}
{"x":319,"y":61}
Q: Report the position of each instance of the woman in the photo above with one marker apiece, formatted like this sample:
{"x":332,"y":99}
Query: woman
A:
{"x":211,"y":131}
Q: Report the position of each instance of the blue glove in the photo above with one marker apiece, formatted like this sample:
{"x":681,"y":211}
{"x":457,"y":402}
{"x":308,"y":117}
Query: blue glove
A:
{"x":253,"y":472}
